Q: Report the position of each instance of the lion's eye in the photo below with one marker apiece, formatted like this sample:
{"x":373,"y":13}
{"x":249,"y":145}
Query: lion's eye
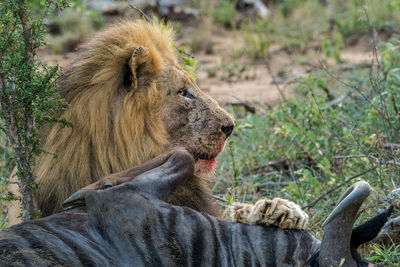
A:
{"x":184,"y":92}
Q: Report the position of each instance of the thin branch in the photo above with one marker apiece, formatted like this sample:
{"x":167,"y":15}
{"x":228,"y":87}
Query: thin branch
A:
{"x":376,"y":160}
{"x":246,"y":106}
{"x":375,"y":82}
{"x":221,"y":202}
{"x":312,"y":204}
{"x":220,"y":199}
{"x":180,"y":50}
{"x":378,"y":163}
{"x":324,"y":68}
{"x":275,"y":163}
{"x":294,"y":76}
{"x":8,"y":181}
{"x":280,"y":91}
{"x":391,"y":146}
{"x":139,"y":10}
{"x":23,"y":16}
{"x":147,"y":18}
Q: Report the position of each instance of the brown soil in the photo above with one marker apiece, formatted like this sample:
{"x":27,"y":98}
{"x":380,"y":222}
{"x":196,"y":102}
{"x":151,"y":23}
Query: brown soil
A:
{"x":219,"y":74}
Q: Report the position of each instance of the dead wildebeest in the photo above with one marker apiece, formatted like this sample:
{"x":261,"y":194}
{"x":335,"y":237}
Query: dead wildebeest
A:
{"x":131,"y":225}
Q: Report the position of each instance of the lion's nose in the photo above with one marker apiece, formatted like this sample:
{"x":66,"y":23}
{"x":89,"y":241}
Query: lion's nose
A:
{"x":227,"y":130}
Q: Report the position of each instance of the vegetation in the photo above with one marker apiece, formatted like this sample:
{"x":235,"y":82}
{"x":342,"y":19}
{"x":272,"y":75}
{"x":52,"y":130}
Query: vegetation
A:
{"x":340,"y":124}
{"x":297,"y":25}
{"x":29,"y":95}
{"x":341,"y":127}
{"x":298,"y":145}
{"x":72,"y":25}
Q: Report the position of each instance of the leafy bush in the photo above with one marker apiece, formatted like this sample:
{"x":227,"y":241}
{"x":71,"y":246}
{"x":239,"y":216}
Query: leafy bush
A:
{"x":29,"y":95}
{"x":293,"y":150}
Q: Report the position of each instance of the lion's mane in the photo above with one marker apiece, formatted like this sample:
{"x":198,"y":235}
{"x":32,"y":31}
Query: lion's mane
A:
{"x":113,"y":128}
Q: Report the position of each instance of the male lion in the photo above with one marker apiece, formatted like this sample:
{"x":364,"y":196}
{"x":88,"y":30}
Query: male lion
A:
{"x":130,"y":101}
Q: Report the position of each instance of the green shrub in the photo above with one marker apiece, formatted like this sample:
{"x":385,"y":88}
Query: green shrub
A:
{"x":257,"y":38}
{"x":29,"y":94}
{"x":225,"y":13}
{"x":290,"y":150}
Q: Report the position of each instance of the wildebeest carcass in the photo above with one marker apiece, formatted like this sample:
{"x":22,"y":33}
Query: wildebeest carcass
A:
{"x":131,"y":225}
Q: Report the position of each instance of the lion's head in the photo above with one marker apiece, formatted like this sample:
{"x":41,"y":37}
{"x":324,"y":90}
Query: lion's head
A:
{"x":193,"y":119}
{"x":130,"y":101}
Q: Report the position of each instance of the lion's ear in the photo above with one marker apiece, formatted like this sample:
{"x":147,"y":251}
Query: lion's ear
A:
{"x":143,"y":66}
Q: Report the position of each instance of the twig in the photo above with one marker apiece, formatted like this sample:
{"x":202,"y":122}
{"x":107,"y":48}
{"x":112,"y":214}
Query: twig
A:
{"x":324,"y":68}
{"x":335,"y":102}
{"x":391,"y":146}
{"x":378,"y":163}
{"x":312,"y":204}
{"x":180,"y":50}
{"x":376,"y":160}
{"x":296,"y":183}
{"x":358,"y":156}
{"x":220,"y":199}
{"x":375,"y":82}
{"x":250,"y":146}
{"x":139,"y":10}
{"x":281,"y":93}
{"x":147,"y":18}
{"x":295,"y":76}
{"x":391,"y":163}
{"x":246,"y":106}
{"x":274,"y":163}
{"x":8,"y":181}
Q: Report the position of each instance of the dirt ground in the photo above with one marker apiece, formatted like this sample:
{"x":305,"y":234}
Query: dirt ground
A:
{"x":231,"y":80}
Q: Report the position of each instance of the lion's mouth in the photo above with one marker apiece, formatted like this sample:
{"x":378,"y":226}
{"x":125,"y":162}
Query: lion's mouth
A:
{"x":207,"y":156}
{"x":206,"y":163}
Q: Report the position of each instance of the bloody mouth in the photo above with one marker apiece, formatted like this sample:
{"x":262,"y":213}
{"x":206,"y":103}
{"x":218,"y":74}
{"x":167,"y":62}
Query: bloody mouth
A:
{"x":206,"y":167}
{"x":207,"y":163}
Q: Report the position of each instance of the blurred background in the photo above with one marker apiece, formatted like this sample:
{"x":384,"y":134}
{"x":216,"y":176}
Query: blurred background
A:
{"x":314,"y":86}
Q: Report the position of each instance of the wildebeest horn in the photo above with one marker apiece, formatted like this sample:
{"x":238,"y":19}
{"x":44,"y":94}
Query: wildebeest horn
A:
{"x":356,"y":192}
{"x":335,"y":246}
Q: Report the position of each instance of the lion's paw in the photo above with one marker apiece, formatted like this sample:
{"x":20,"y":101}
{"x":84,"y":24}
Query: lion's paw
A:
{"x":278,"y":212}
